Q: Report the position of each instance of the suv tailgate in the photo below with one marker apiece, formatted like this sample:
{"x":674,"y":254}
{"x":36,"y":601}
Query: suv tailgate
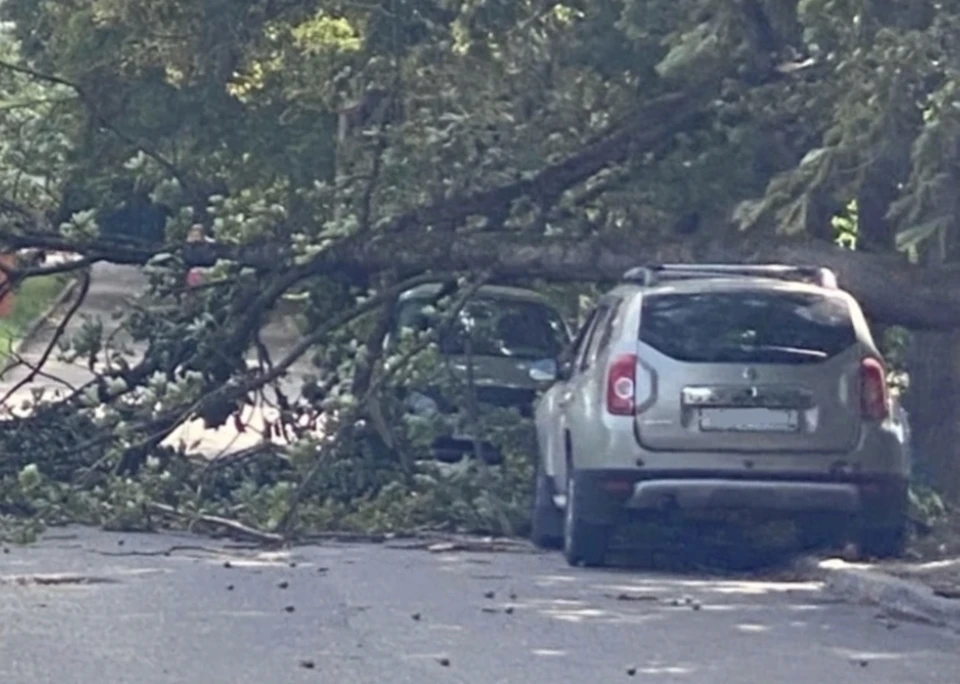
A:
{"x":772,"y":368}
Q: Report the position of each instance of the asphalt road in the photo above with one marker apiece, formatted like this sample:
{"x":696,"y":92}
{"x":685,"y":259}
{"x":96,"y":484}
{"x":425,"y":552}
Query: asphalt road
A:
{"x":367,"y":614}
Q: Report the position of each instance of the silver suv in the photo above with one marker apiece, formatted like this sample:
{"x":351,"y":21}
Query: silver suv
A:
{"x":699,"y":387}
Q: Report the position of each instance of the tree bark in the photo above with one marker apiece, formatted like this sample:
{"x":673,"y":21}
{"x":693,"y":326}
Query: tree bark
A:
{"x":933,"y":402}
{"x":890,"y":289}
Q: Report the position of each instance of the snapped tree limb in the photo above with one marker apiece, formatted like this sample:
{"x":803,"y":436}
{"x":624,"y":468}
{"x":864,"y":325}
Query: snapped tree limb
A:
{"x":890,"y":289}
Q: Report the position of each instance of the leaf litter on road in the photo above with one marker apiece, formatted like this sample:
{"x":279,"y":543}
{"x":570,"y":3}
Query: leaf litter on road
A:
{"x":633,"y":597}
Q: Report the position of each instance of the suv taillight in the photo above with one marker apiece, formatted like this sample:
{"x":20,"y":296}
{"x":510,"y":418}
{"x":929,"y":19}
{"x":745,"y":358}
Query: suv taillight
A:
{"x":622,"y":385}
{"x":874,"y":403}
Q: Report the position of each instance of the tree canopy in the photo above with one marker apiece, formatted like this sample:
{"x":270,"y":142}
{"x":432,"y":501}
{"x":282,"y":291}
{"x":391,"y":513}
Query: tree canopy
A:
{"x":340,"y":150}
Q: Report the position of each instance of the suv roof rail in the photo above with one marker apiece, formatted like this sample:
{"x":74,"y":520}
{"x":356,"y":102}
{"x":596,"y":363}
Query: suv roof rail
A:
{"x":651,"y":274}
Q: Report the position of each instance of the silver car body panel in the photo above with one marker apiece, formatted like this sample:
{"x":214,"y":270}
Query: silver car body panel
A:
{"x":824,"y":437}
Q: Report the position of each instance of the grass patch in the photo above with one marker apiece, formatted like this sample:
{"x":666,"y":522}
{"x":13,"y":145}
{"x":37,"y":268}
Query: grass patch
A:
{"x":32,"y":298}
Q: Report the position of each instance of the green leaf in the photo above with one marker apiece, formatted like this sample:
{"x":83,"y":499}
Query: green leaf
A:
{"x":913,"y":237}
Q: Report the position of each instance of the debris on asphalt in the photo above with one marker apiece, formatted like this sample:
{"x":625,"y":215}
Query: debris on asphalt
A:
{"x":943,"y":576}
{"x":632,"y":597}
{"x":307,"y":664}
{"x":489,"y":594}
{"x":416,"y":617}
{"x":445,"y":662}
{"x":632,"y":671}
{"x":467,"y":544}
{"x":290,"y":609}
{"x":55,"y":580}
{"x":283,"y":585}
{"x":902,"y":590}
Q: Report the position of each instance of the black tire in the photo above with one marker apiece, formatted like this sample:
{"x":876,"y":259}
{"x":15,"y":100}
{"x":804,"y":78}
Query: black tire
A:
{"x":546,"y":520}
{"x":819,"y":532}
{"x":884,"y":527}
{"x":584,"y":543}
{"x":887,"y":541}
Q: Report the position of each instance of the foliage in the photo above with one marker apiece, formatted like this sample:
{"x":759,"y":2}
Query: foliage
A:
{"x":352,"y":495}
{"x":339,"y":152}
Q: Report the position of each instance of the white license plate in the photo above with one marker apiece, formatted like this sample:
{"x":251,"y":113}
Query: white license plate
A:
{"x":749,"y":420}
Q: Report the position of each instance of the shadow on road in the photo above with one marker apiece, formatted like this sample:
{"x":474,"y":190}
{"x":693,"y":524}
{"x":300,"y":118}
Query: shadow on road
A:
{"x":712,"y":548}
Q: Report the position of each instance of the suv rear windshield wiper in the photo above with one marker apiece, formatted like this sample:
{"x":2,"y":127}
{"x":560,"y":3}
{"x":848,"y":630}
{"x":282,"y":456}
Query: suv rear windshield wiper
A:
{"x":780,"y":351}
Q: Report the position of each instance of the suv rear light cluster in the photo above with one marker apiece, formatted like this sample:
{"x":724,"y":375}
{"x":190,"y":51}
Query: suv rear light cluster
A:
{"x":630,"y":385}
{"x":874,"y":399}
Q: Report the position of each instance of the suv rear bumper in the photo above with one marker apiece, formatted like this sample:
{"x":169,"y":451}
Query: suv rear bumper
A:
{"x":719,"y":493}
{"x":617,"y":495}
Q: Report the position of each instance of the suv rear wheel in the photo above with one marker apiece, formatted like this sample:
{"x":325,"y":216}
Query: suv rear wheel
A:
{"x":883,"y":542}
{"x":819,"y":531}
{"x":883,"y":529}
{"x":584,"y":543}
{"x":547,"y":520}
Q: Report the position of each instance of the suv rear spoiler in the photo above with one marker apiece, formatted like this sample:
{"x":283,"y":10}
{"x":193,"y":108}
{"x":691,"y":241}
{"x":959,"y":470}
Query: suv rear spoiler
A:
{"x":653,"y":274}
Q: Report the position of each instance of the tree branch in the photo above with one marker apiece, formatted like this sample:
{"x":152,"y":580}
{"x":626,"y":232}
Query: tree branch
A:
{"x":40,"y":76}
{"x":650,"y":125}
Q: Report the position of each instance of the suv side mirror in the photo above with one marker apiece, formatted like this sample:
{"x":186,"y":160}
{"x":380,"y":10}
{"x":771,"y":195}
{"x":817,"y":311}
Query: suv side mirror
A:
{"x":565,"y":366}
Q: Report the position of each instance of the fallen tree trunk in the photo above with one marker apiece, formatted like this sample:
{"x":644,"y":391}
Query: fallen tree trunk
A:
{"x":890,"y":289}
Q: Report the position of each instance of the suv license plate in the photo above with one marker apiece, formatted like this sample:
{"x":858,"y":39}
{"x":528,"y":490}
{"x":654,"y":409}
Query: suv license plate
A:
{"x":749,"y":420}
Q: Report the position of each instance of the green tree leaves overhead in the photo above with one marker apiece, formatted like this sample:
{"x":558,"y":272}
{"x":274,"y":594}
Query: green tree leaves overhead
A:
{"x":336,"y":149}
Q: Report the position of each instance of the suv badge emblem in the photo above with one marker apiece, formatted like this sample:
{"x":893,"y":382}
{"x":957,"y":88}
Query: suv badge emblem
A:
{"x":749,"y":374}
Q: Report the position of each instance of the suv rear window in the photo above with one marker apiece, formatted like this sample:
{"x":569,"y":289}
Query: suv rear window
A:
{"x":747,"y":326}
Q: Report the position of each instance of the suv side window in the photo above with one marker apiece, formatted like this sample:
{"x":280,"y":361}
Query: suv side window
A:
{"x":602,"y":341}
{"x":586,"y":354}
{"x":583,"y":334}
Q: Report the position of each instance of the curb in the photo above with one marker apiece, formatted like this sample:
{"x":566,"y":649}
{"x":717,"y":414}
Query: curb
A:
{"x":908,"y":598}
{"x":30,"y":331}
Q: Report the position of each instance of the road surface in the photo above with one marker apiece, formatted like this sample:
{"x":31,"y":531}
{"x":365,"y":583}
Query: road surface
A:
{"x":112,"y":289}
{"x":350,"y":614}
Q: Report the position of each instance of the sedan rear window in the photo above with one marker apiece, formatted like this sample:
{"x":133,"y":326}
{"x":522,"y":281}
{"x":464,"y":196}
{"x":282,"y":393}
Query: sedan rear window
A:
{"x":496,"y":327}
{"x":747,"y":326}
